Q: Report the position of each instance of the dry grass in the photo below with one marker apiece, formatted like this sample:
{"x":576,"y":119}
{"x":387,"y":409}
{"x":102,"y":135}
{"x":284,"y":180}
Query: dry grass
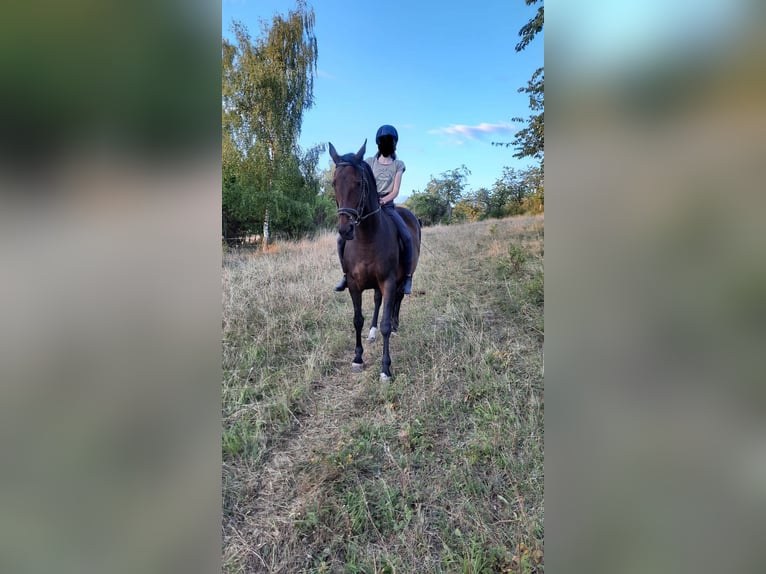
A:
{"x":440,"y":470}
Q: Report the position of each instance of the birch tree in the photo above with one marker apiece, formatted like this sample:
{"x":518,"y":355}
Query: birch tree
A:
{"x":267,"y":85}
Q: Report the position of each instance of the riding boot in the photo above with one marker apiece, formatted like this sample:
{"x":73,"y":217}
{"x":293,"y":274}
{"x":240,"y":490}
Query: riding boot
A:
{"x":342,"y":285}
{"x":407,"y":288}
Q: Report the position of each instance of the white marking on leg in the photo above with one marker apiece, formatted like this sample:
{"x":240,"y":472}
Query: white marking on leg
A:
{"x":373,"y":334}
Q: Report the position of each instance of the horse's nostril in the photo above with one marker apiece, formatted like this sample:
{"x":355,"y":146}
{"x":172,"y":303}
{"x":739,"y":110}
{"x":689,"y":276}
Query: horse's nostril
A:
{"x":346,"y":231}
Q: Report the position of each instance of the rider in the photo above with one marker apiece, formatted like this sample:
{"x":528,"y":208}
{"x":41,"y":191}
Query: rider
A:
{"x":388,"y":178}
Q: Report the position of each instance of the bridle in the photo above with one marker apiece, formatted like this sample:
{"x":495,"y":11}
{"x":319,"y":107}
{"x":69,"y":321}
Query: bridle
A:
{"x":355,"y":215}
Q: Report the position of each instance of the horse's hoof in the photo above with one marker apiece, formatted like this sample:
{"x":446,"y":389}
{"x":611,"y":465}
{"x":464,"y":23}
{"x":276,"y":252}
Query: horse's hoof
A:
{"x":357,"y":367}
{"x":384,"y":377}
{"x":373,"y":334}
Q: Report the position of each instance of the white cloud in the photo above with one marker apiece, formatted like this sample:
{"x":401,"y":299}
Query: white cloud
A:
{"x":459,"y":133}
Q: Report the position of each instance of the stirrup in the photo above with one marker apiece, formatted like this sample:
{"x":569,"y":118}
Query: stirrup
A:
{"x":342,"y":285}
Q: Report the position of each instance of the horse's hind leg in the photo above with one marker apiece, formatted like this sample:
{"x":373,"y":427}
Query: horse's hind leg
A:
{"x":374,"y":327}
{"x":356,"y":298}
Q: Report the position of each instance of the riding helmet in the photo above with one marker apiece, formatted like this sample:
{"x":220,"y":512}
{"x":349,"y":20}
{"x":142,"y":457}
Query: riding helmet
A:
{"x":386,"y":130}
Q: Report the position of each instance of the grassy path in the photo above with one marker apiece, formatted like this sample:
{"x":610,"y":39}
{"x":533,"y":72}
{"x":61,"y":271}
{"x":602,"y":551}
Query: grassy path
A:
{"x":439,"y":470}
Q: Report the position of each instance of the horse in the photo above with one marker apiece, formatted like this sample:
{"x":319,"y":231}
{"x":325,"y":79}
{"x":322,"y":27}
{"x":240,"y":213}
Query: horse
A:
{"x":371,"y":258}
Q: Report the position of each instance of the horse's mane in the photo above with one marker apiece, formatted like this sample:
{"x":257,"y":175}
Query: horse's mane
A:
{"x":365,"y":167}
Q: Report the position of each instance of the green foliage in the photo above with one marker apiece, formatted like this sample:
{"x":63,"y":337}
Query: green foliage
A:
{"x":535,"y":289}
{"x":325,"y":209}
{"x":429,"y":207}
{"x":530,"y":29}
{"x":535,"y":202}
{"x":466,"y":210}
{"x":530,"y":140}
{"x":242,"y":437}
{"x":516,"y":192}
{"x":517,"y":257}
{"x":436,"y":203}
{"x":267,"y":84}
{"x":325,"y":213}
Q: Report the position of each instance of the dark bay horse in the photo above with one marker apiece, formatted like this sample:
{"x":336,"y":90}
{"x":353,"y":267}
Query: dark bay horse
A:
{"x":372,"y":258}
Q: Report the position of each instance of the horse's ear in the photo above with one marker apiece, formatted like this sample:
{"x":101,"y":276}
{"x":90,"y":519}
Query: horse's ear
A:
{"x":360,"y":154}
{"x":333,"y":154}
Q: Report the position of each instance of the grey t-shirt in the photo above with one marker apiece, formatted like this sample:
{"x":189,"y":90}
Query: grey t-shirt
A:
{"x":384,"y":174}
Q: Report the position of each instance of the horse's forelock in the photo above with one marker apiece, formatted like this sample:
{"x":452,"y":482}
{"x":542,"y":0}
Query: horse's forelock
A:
{"x":367,"y":174}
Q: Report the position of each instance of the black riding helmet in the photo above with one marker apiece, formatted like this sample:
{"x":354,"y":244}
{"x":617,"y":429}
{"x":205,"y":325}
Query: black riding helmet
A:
{"x":387,"y":138}
{"x":387,"y":130}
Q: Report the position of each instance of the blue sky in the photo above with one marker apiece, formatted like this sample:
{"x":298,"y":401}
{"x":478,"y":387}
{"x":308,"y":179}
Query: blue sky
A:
{"x":445,"y":74}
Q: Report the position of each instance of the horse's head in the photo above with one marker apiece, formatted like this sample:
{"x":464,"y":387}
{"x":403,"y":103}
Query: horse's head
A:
{"x":353,"y":188}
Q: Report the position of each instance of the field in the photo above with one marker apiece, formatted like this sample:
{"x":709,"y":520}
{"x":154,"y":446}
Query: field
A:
{"x":438,"y":470}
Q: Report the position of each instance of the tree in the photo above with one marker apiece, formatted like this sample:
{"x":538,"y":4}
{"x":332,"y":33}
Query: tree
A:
{"x":508,"y":193}
{"x":428,"y":206}
{"x":325,"y":211}
{"x":436,"y":203}
{"x":267,"y":84}
{"x":449,"y":187}
{"x":530,"y":141}
{"x":514,"y":193}
{"x":467,"y":210}
{"x":530,"y":29}
{"x":534,"y":197}
{"x":483,"y":200}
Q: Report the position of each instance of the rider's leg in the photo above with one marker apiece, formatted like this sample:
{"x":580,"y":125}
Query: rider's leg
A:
{"x":341,"y":246}
{"x":404,"y":233}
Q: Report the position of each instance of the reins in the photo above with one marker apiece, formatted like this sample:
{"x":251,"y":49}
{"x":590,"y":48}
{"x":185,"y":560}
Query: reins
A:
{"x":355,"y":215}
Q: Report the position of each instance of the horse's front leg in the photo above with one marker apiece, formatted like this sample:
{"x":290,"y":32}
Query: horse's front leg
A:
{"x":374,"y":327}
{"x":385,"y":329}
{"x":356,"y":298}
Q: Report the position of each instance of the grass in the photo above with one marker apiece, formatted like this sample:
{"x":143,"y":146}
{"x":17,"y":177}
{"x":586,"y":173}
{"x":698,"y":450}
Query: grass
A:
{"x":438,"y":470}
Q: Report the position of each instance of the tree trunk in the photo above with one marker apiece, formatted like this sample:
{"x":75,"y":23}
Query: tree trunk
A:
{"x":266,"y":231}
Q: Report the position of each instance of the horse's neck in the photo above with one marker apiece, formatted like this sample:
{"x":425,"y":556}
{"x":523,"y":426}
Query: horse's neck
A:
{"x":368,"y":229}
{"x":373,"y":212}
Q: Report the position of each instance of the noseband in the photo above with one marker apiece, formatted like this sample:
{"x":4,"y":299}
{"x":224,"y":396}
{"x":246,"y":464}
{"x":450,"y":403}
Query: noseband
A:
{"x":355,"y":215}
